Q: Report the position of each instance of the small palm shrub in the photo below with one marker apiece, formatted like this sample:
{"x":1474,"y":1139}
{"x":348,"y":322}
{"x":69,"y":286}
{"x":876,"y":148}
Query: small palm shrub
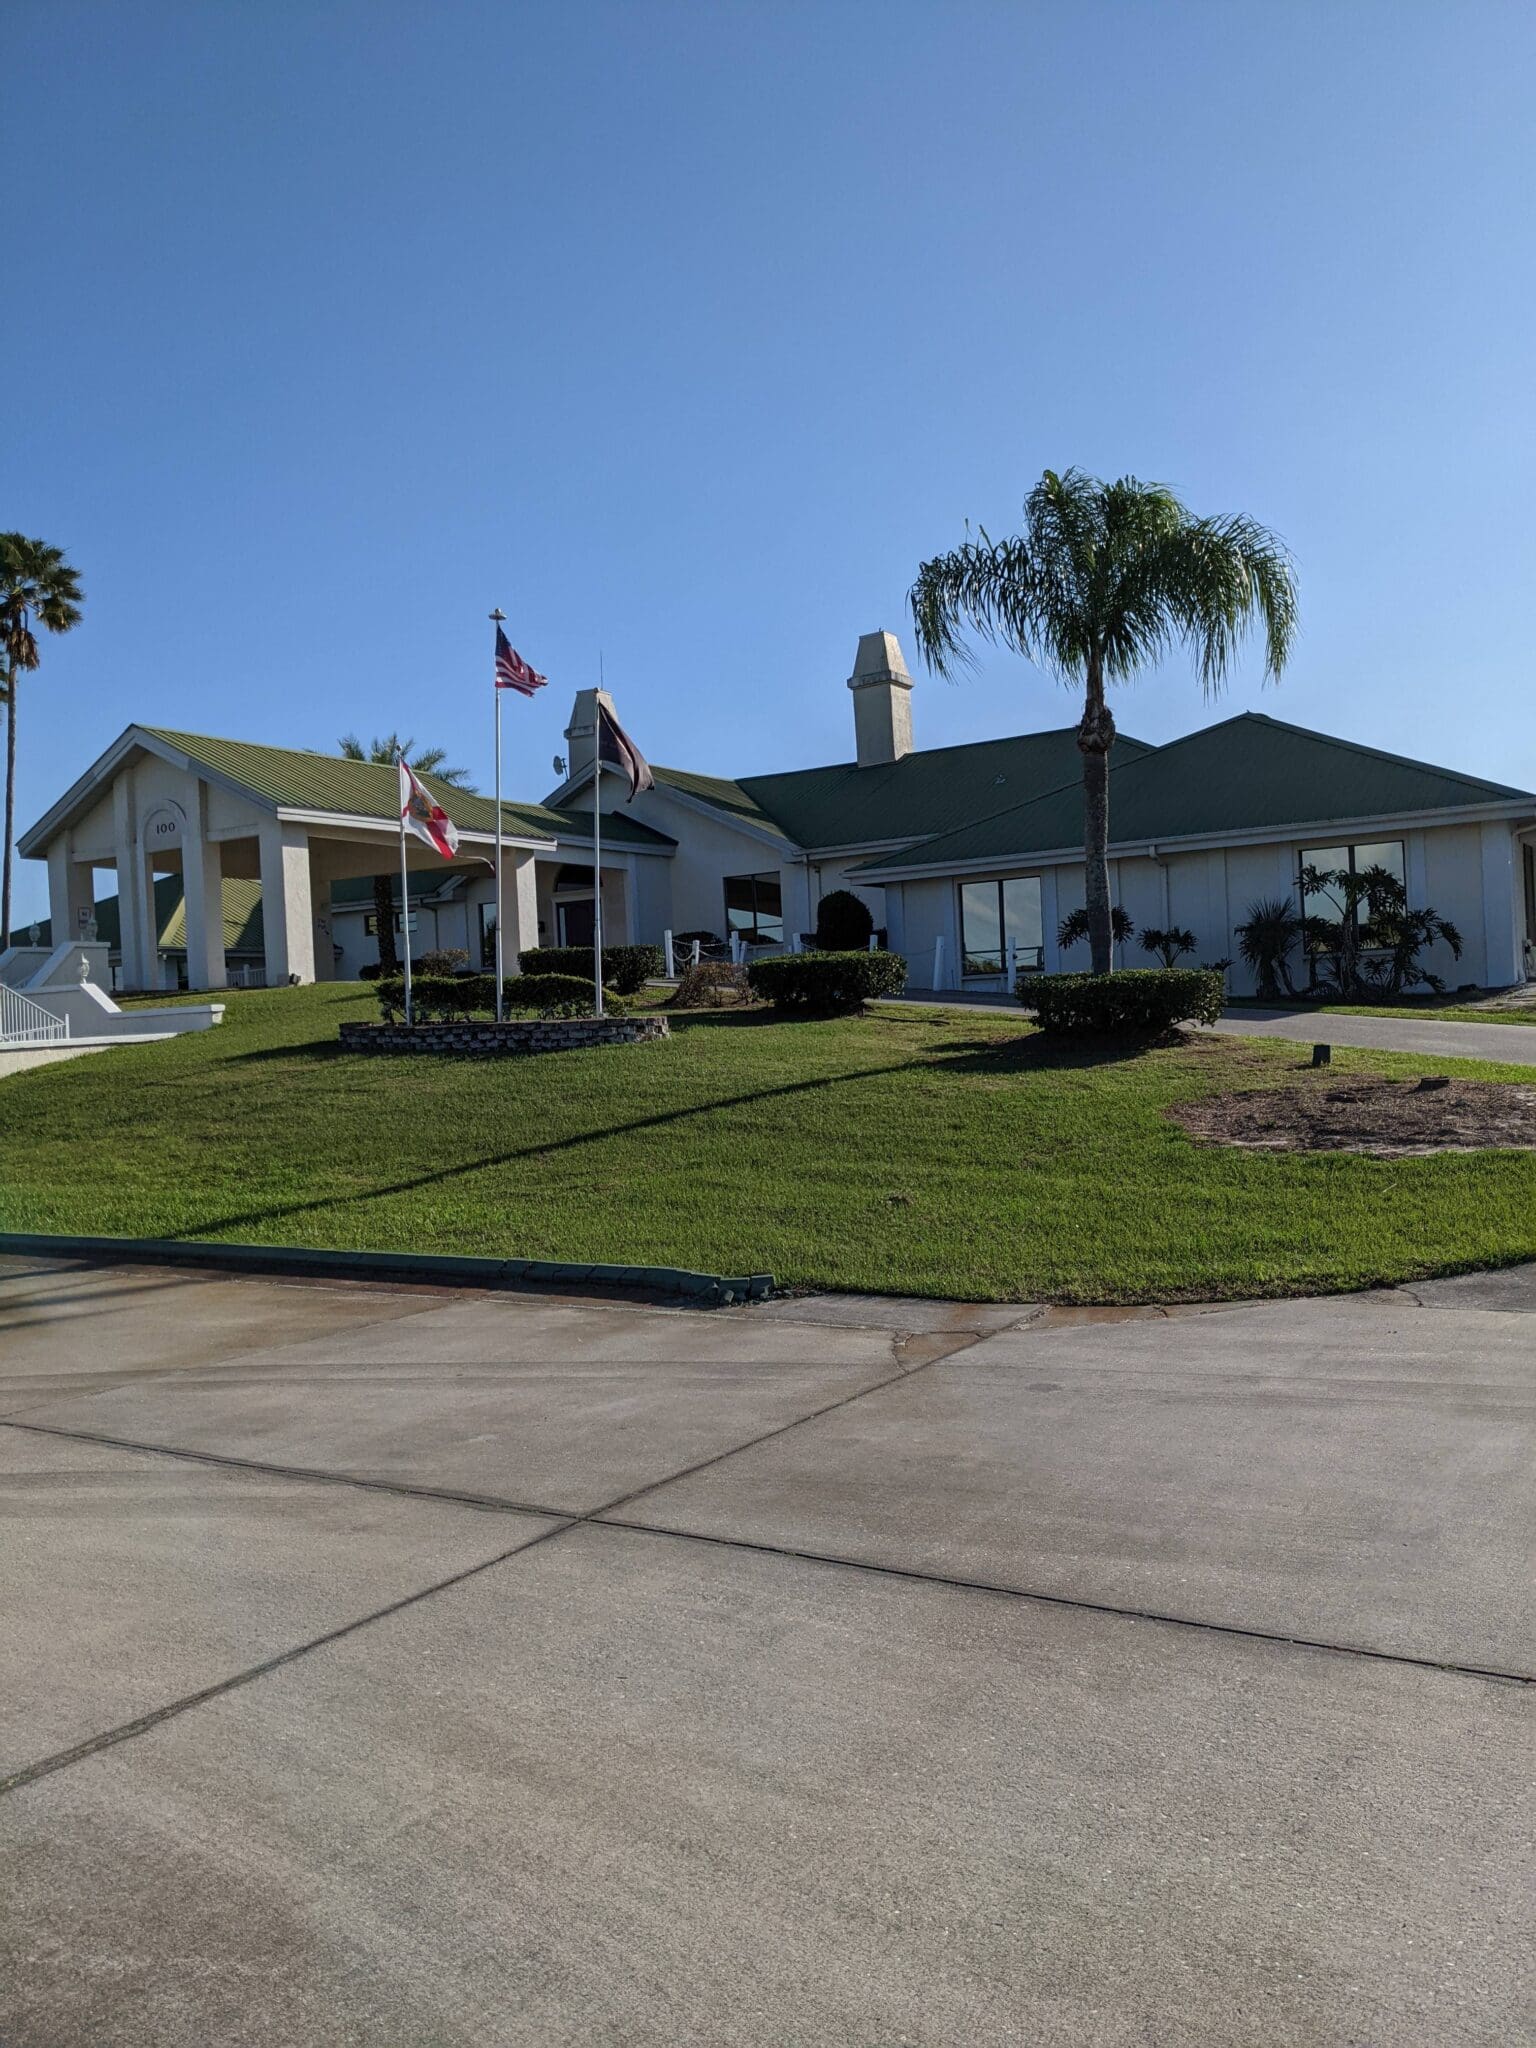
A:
{"x":1140,"y":1002}
{"x":1373,"y":946}
{"x":1073,"y":928}
{"x":1266,"y":939}
{"x":1167,"y":945}
{"x":827,"y":984}
{"x":843,"y":922}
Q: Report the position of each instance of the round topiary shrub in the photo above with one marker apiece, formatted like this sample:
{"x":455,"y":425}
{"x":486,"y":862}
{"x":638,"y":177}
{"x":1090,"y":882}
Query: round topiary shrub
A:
{"x":1136,"y":1002}
{"x":843,"y":922}
{"x":826,"y":984}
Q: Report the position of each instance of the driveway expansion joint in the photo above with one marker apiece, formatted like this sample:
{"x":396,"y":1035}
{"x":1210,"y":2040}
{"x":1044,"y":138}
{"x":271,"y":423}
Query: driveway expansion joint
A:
{"x":605,"y":1518}
{"x":80,"y":1752}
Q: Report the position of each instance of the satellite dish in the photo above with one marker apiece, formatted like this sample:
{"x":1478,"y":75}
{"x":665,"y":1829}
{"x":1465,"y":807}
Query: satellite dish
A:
{"x":559,"y":764}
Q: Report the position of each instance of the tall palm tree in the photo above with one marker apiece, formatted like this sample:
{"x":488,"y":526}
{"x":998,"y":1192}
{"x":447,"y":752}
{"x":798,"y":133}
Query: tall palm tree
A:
{"x":385,"y":753}
{"x":1104,"y":581}
{"x":37,"y":588}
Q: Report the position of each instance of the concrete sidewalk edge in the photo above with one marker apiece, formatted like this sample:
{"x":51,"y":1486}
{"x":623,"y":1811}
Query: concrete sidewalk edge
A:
{"x":701,"y":1290}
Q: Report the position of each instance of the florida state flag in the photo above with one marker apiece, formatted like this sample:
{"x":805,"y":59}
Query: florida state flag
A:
{"x":423,"y":815}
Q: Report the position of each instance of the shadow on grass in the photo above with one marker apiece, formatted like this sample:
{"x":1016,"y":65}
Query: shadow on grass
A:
{"x":1039,"y":1054}
{"x":969,"y":1056}
{"x":301,"y":1048}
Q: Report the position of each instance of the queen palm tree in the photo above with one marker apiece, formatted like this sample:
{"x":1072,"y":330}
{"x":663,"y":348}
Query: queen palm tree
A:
{"x":385,"y":753}
{"x":37,"y":588}
{"x":1104,"y":581}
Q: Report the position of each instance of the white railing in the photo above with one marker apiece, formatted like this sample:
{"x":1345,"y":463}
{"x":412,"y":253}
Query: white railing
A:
{"x":23,"y":1022}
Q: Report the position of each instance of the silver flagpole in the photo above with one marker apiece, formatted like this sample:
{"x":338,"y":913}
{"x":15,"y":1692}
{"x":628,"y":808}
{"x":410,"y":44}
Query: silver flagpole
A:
{"x":498,"y":616}
{"x":405,"y":904}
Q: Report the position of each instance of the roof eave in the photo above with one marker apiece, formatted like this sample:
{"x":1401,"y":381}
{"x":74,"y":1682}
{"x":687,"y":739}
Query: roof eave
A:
{"x":83,"y":793}
{"x":1199,"y":842}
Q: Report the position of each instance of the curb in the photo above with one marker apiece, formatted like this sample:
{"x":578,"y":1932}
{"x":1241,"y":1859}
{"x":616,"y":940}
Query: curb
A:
{"x":700,"y":1290}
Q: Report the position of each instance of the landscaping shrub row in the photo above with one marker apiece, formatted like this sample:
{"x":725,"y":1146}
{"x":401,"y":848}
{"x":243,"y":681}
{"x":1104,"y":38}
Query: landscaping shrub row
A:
{"x":448,"y":996}
{"x":626,"y":968}
{"x":827,"y":983}
{"x":1132,"y":1003}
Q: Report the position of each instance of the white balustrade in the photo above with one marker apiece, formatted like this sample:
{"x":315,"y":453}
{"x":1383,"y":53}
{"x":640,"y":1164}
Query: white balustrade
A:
{"x":23,"y":1022}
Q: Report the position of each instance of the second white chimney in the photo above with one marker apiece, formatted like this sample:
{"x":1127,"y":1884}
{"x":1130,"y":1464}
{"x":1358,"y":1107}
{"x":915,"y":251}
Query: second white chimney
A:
{"x":882,"y":701}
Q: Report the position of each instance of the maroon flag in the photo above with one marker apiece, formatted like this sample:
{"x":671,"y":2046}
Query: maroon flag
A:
{"x":512,"y":672}
{"x":615,"y":745}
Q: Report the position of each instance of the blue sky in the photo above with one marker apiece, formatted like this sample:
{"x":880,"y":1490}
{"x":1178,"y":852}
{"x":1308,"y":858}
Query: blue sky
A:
{"x":685,"y":331}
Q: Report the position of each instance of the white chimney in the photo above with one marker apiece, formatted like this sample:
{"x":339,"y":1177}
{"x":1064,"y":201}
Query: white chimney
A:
{"x":581,"y":733}
{"x":882,"y":700}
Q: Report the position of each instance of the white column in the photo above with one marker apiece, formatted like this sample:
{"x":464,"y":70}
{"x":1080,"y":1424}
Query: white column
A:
{"x":1503,"y":909}
{"x":1050,"y":917}
{"x":133,"y":971}
{"x":626,"y":923}
{"x":202,"y":883}
{"x":287,"y":911}
{"x":520,"y":933}
{"x":71,"y":890}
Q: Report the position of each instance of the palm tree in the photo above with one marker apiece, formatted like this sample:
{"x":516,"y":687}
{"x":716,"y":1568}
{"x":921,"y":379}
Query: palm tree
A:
{"x":1104,"y":581}
{"x":385,"y":753}
{"x":37,"y":588}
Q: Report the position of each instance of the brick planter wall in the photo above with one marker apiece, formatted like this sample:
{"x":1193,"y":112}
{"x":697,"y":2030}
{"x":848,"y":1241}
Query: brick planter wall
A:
{"x":526,"y":1034}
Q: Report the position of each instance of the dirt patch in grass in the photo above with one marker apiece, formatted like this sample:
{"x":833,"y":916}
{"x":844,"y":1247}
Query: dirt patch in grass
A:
{"x":1390,"y":1118}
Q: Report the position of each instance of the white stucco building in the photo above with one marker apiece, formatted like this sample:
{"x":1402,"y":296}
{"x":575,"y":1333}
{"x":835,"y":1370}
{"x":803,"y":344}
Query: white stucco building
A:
{"x":232,"y":859}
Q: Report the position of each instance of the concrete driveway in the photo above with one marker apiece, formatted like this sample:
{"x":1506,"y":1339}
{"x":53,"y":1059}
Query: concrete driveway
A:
{"x":409,"y":1668}
{"x":1439,"y":1039}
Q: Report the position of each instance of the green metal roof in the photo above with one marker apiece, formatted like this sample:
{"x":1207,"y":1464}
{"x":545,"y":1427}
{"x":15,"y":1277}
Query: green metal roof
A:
{"x":299,"y":781}
{"x":721,"y":794}
{"x":923,"y":793}
{"x":1247,"y":773}
{"x":242,"y":917}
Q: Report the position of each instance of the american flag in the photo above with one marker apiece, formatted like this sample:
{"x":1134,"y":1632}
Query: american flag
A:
{"x":512,"y":672}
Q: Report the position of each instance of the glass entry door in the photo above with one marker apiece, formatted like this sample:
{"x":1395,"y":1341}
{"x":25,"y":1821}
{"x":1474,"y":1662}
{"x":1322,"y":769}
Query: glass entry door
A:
{"x":578,"y":923}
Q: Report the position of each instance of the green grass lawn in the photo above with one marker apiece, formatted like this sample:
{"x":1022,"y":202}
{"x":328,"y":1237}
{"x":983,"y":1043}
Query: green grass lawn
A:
{"x":912,"y":1150}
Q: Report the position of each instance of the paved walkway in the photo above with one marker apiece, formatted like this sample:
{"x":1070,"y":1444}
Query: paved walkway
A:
{"x":398,"y":1665}
{"x":1510,"y":1044}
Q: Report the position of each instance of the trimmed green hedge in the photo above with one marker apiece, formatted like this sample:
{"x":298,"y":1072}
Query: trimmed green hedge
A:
{"x":1135,"y":1002}
{"x":626,"y":968}
{"x":826,"y":984}
{"x":444,"y":997}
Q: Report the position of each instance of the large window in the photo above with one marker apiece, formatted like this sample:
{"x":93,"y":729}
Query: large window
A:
{"x":995,"y":915}
{"x":1371,"y":853}
{"x":754,"y":908}
{"x":371,"y":923}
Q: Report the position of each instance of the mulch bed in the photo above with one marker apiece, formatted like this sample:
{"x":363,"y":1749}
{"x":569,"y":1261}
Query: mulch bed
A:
{"x":1389,"y":1118}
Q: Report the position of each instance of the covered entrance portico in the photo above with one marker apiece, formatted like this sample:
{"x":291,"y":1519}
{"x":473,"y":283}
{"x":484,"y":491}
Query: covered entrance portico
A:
{"x":157,"y":805}
{"x":313,"y":830}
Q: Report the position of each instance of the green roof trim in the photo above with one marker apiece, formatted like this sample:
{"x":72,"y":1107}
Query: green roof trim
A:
{"x":294,"y":780}
{"x":1249,"y":773}
{"x":933,"y":791}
